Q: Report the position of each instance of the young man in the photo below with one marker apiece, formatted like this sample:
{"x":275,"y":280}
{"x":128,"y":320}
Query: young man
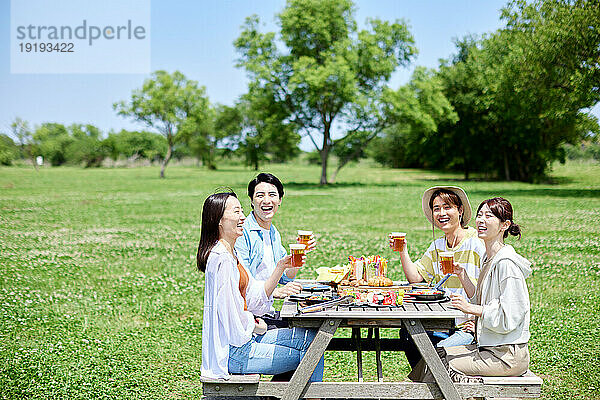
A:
{"x":259,"y":249}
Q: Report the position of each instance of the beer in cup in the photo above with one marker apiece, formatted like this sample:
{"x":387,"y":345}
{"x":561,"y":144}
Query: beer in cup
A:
{"x":447,"y":261}
{"x":297,"y":250}
{"x":399,"y":240}
{"x":304,"y":237}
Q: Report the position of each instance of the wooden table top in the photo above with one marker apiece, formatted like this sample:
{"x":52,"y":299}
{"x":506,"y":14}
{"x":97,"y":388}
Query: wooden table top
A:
{"x":414,"y":310}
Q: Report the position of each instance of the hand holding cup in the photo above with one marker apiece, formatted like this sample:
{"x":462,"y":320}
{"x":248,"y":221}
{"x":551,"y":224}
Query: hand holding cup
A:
{"x":297,"y":251}
{"x":397,"y":241}
{"x":308,"y":239}
{"x":458,"y":270}
{"x":284,"y":263}
{"x":447,"y":261}
{"x":459,"y":302}
{"x":288,"y":289}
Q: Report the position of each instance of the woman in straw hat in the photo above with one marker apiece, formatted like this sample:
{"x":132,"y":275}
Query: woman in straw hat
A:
{"x":448,"y":209}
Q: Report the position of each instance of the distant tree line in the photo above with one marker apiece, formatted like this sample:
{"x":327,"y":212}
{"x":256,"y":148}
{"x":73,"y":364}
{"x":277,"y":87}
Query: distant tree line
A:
{"x":520,"y":94}
{"x":77,"y":144}
{"x":507,"y":104}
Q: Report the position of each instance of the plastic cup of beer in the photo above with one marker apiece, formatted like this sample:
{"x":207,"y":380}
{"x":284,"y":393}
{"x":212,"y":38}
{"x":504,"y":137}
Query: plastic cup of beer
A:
{"x":304,"y":237}
{"x":297,"y":250}
{"x":399,"y":241}
{"x":447,"y":261}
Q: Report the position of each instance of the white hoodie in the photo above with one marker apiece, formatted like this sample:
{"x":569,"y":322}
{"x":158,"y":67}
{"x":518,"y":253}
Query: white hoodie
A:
{"x":505,"y":301}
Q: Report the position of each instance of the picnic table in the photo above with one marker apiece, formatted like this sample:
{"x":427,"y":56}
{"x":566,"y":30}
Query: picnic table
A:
{"x":416,"y":317}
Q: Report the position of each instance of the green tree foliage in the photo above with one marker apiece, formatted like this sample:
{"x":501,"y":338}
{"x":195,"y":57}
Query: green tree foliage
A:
{"x":266,"y":129}
{"x":142,"y":144}
{"x":583,"y":151}
{"x":51,"y":141}
{"x":77,"y":144}
{"x":350,"y":148}
{"x":9,"y":151}
{"x":325,"y":66}
{"x":520,"y":92}
{"x":410,"y":117}
{"x":87,"y":148}
{"x":254,"y":129}
{"x":176,"y":107}
{"x":20,"y":130}
{"x":200,"y":137}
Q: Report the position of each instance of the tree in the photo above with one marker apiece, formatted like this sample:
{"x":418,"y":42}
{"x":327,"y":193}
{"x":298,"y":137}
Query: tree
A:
{"x":21,"y":131}
{"x":148,"y":145}
{"x":409,"y":122}
{"x":87,"y":147}
{"x":326,"y":65}
{"x":465,"y":85}
{"x":201,"y":138}
{"x":173,"y":105}
{"x":8,"y":150}
{"x":265,"y":133}
{"x":520,"y":92}
{"x":51,"y":140}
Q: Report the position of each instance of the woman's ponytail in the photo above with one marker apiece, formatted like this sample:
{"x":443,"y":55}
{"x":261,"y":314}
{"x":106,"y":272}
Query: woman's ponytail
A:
{"x":514,"y":230}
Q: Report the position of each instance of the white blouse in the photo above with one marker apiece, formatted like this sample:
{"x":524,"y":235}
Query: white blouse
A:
{"x":225,"y":322}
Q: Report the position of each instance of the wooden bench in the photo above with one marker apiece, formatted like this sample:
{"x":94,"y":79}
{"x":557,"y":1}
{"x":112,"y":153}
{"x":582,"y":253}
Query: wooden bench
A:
{"x":526,"y":386}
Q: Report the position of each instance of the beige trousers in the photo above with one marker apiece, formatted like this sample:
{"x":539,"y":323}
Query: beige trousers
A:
{"x":464,"y":362}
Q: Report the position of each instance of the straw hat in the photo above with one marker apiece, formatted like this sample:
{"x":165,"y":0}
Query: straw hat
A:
{"x":454,"y":189}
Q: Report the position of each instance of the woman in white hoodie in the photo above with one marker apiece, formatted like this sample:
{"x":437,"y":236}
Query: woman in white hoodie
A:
{"x":500,"y":302}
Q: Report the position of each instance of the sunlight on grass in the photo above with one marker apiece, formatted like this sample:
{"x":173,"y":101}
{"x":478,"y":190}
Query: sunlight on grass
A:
{"x":100,"y":298}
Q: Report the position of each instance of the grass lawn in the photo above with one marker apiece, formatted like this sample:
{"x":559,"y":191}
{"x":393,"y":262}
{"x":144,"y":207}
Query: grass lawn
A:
{"x":100,"y":298}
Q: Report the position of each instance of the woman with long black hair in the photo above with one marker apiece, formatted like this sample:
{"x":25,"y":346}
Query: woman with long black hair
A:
{"x":233,"y":340}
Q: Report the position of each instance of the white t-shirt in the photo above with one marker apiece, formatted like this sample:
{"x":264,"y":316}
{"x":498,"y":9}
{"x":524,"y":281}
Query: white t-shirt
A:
{"x":267,"y":266}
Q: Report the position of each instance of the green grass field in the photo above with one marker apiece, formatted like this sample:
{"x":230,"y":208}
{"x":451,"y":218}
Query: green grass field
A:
{"x":100,"y":298}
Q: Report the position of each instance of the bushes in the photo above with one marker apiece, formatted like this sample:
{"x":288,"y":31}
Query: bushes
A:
{"x":583,"y":151}
{"x":128,"y":144}
{"x":8,"y":150}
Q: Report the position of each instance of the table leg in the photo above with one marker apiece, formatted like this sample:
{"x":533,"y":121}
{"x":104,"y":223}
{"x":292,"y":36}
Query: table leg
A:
{"x":311,"y":358}
{"x":356,"y":337}
{"x":440,"y":374}
{"x":378,"y":356}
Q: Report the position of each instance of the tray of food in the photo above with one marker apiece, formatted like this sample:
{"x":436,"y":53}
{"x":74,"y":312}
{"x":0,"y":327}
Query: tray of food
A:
{"x":426,"y":294}
{"x":315,"y":287}
{"x":376,"y":296}
{"x":310,"y":299}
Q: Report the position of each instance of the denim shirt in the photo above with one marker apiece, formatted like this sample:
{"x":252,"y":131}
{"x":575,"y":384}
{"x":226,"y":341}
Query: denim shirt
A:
{"x":250,"y":247}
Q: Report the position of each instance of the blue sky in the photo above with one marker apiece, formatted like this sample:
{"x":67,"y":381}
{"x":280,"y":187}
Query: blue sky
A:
{"x":195,"y":37}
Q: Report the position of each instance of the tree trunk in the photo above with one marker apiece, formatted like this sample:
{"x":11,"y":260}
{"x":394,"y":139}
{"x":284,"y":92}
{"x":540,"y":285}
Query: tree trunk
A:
{"x":324,"y":156}
{"x":28,"y":152}
{"x":166,"y":160}
{"x":506,"y":169}
{"x":334,"y":176}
